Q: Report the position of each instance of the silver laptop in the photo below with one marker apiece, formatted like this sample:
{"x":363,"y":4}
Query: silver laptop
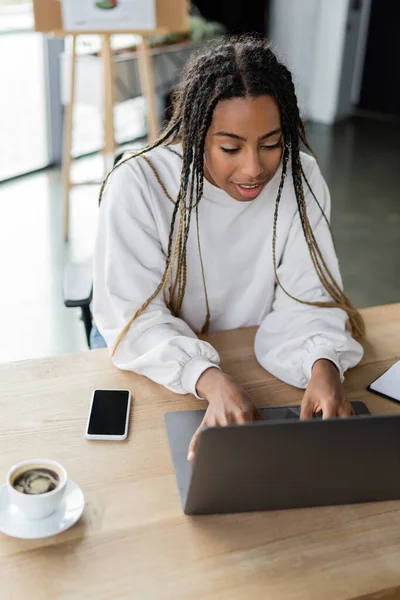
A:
{"x":283,"y":462}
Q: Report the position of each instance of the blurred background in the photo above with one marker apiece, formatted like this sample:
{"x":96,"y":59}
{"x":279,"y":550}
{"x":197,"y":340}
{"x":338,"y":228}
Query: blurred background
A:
{"x":344,"y":55}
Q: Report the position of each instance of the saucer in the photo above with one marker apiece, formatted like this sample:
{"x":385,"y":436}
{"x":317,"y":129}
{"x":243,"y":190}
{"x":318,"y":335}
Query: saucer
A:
{"x":15,"y":524}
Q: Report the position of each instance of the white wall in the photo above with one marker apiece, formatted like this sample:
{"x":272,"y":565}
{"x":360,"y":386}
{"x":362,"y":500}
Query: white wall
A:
{"x":329,"y":39}
{"x":289,"y":25}
{"x":311,"y":37}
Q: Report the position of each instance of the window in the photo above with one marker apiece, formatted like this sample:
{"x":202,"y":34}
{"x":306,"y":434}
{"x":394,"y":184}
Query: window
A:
{"x":24,"y":143}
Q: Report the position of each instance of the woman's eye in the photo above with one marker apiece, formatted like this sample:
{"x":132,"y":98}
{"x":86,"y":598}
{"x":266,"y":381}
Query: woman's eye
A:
{"x":264,"y":147}
{"x":277,"y":145}
{"x":229,"y":150}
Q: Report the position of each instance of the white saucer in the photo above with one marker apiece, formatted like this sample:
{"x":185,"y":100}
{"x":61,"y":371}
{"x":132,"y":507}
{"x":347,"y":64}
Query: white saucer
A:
{"x":15,"y":524}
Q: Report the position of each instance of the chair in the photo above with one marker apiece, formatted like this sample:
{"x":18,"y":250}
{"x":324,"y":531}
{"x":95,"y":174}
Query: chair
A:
{"x":78,"y":293}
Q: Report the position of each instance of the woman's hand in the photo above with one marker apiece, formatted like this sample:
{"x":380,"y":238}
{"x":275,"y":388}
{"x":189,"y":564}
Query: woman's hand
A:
{"x":228,"y":403}
{"x":325,"y":393}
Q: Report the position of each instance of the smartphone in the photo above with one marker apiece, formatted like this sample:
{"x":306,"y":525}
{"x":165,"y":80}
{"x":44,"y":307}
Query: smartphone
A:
{"x":109,"y":415}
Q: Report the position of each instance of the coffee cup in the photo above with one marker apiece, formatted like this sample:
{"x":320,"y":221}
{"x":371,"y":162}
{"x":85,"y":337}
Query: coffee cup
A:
{"x":36,"y":487}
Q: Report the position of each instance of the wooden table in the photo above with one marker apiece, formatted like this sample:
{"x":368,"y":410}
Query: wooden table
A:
{"x":134,"y":542}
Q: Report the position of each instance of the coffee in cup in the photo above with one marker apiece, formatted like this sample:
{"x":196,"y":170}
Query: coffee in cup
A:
{"x":35,"y":479}
{"x":37,"y":487}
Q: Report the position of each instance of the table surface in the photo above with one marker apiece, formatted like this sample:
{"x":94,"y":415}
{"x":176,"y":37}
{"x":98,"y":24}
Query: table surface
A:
{"x":133,"y":540}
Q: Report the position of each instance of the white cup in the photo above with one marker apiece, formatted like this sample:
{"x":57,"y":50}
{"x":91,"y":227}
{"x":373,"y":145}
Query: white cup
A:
{"x":37,"y":506}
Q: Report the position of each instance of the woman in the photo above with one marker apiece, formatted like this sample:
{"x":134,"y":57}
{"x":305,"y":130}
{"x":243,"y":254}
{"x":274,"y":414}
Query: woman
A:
{"x":223,"y":223}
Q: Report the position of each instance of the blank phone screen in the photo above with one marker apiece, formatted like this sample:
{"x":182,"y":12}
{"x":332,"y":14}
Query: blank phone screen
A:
{"x":108,"y":415}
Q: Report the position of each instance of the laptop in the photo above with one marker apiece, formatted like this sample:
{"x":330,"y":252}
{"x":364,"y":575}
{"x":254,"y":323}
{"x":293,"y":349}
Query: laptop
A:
{"x":283,"y":462}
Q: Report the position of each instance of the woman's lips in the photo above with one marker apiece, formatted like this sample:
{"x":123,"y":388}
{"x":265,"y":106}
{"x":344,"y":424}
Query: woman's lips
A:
{"x":249,"y":193}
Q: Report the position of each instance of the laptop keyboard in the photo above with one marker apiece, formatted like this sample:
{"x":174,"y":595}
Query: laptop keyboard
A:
{"x":284,"y":412}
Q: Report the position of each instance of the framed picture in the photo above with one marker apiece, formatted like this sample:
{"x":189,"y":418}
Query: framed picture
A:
{"x":108,"y":15}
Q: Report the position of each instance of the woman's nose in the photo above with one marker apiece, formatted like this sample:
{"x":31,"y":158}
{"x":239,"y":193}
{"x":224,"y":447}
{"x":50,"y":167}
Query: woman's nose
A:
{"x":252,"y":167}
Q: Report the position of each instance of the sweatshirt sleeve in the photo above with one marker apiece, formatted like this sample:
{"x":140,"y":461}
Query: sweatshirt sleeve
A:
{"x":293,"y":336}
{"x":129,"y":264}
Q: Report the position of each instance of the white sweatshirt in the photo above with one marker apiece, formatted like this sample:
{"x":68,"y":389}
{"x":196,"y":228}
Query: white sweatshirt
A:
{"x":236,"y":245}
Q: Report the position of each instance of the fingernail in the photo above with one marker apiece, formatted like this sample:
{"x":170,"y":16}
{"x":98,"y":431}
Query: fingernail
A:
{"x":191,"y":456}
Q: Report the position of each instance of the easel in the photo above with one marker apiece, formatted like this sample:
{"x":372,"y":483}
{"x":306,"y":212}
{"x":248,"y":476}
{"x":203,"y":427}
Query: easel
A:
{"x":147,"y":83}
{"x":170,"y":16}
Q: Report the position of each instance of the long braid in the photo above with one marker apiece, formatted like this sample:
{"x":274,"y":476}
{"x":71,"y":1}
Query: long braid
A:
{"x":199,"y":176}
{"x":167,"y":136}
{"x":193,"y":147}
{"x":233,"y":68}
{"x":339,"y":299}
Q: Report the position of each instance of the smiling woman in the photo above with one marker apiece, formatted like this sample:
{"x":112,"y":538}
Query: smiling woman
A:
{"x":261,"y":252}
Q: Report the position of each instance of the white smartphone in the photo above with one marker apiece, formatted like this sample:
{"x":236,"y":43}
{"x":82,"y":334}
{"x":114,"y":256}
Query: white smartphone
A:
{"x":109,"y":415}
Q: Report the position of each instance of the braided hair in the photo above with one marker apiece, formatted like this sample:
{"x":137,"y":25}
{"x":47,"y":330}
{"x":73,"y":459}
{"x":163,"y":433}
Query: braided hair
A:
{"x":236,"y":67}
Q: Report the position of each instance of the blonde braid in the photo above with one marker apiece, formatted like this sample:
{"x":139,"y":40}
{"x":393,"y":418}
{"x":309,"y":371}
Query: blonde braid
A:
{"x":182,"y":266}
{"x":178,"y":253}
{"x":179,"y":256}
{"x":163,"y":285}
{"x":206,"y":325}
{"x":340,"y":300}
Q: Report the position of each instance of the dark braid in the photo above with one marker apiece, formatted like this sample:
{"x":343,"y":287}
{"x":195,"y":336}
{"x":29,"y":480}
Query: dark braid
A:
{"x":225,"y":69}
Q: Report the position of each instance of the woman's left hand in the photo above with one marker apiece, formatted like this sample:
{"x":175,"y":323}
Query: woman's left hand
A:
{"x":325,"y":392}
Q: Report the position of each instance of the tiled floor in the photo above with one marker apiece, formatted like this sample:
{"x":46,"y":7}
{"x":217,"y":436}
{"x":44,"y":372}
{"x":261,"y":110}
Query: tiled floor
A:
{"x":361,"y":161}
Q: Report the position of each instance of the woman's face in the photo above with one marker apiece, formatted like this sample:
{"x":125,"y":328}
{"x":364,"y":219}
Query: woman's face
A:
{"x":243,"y":147}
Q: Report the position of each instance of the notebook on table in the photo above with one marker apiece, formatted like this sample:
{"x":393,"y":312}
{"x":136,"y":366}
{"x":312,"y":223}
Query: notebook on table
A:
{"x":388,"y":384}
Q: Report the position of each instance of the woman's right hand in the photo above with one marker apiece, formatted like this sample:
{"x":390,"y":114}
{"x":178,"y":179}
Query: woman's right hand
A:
{"x":228,"y":403}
